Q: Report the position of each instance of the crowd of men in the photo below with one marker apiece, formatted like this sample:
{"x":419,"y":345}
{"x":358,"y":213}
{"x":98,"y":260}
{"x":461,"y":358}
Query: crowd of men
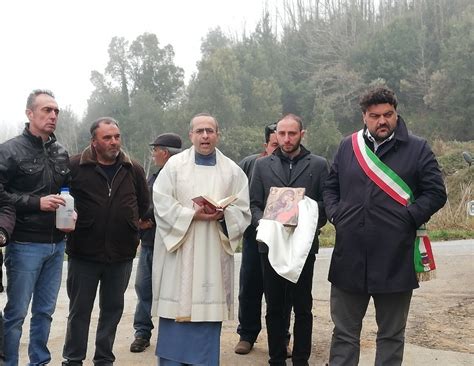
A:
{"x":382,"y":186}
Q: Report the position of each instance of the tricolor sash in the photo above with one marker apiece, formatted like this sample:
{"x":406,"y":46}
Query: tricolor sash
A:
{"x":389,"y":182}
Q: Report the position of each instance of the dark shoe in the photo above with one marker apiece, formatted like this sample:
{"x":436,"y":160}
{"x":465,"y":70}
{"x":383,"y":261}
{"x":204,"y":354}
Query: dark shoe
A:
{"x":139,"y":345}
{"x":243,"y":347}
{"x":71,"y":363}
{"x":289,"y":351}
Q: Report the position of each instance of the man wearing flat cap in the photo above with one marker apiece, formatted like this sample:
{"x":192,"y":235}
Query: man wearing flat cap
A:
{"x":165,"y":146}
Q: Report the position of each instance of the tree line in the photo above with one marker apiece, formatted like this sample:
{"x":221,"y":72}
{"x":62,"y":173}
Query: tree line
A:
{"x":312,"y":58}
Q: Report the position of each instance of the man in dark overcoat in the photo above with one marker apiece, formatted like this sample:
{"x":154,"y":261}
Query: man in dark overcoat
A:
{"x":291,"y":165}
{"x":375,"y":235}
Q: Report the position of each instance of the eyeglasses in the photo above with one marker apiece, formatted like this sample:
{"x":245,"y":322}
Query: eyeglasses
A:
{"x":207,"y":130}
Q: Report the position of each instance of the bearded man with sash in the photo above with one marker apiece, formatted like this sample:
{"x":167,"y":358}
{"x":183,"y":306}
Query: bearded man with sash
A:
{"x":384,"y":185}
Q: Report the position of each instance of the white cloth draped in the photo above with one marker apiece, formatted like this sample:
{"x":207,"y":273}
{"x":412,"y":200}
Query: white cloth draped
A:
{"x":193,"y":260}
{"x":288,"y":247}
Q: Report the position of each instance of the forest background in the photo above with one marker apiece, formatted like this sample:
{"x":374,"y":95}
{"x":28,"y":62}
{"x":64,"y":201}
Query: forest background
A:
{"x":312,"y":58}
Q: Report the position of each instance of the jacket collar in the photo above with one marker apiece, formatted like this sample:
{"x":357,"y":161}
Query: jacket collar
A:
{"x":401,"y":132}
{"x":37,"y":140}
{"x":302,"y":154}
{"x":277,"y":165}
{"x":89,"y":156}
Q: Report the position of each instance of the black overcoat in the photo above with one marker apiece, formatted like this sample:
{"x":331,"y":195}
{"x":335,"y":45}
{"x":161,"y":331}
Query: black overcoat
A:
{"x":310,"y":172}
{"x":374,"y":234}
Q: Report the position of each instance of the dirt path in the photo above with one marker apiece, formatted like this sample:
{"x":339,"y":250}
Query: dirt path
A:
{"x":441,"y":319}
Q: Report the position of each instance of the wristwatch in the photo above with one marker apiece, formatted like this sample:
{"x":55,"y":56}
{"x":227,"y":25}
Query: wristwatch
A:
{"x":3,"y":238}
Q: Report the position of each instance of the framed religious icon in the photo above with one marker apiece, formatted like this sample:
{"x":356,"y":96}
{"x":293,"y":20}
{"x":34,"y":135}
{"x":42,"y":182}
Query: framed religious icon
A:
{"x":282,"y":205}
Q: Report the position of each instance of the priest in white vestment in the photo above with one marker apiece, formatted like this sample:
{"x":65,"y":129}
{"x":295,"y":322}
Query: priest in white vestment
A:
{"x":193,"y":264}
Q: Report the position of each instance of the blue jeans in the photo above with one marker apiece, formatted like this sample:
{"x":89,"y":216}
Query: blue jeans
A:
{"x":142,"y":320}
{"x":33,"y":274}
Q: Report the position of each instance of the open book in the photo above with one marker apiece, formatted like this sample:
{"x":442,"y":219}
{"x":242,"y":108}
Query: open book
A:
{"x":216,"y":205}
{"x":282,"y":205}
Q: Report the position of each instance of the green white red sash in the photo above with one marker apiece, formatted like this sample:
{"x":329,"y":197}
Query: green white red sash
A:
{"x":389,"y":182}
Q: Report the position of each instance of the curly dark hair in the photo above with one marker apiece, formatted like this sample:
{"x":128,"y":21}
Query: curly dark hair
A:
{"x":377,"y":95}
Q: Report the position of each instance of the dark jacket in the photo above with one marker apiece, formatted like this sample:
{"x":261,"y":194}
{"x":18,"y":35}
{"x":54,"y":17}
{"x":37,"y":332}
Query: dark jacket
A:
{"x":107,"y":225}
{"x":374,"y":234}
{"x":29,"y":170}
{"x":305,"y":170}
{"x":247,"y":164}
{"x":7,"y":219}
{"x":147,"y":236}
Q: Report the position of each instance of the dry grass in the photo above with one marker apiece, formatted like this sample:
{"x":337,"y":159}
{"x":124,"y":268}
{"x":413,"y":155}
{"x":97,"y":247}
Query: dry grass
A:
{"x":454,"y":214}
{"x":453,"y":221}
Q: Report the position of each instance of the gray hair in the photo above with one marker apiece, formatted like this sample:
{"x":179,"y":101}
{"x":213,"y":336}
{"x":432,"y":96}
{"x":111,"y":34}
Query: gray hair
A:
{"x":203,"y":115}
{"x":105,"y":120}
{"x":30,"y":102}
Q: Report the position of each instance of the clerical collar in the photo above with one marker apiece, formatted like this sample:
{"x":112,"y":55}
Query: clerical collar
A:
{"x":376,"y":144}
{"x":209,"y":160}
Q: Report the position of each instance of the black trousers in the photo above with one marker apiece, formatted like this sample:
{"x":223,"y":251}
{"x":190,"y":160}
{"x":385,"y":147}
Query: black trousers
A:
{"x":347,"y":312}
{"x":279,"y":295}
{"x":250,"y":288}
{"x":83,"y":278}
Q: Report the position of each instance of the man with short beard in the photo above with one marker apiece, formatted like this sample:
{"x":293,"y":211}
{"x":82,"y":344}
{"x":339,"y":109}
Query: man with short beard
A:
{"x":111,"y":195}
{"x":291,"y":165}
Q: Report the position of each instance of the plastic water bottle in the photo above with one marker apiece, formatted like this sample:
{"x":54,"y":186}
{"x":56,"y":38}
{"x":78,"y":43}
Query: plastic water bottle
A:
{"x":65,"y":214}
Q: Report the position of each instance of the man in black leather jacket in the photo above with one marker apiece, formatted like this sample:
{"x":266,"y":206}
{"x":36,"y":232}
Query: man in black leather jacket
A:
{"x":33,"y":167}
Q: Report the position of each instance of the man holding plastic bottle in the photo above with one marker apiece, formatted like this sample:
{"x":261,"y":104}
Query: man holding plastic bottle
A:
{"x":33,"y":167}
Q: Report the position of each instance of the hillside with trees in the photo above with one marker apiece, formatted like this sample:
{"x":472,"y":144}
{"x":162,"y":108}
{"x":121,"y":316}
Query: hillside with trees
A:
{"x":312,"y":58}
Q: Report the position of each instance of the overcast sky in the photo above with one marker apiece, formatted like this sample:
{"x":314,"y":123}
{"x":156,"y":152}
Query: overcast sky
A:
{"x":56,"y":44}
